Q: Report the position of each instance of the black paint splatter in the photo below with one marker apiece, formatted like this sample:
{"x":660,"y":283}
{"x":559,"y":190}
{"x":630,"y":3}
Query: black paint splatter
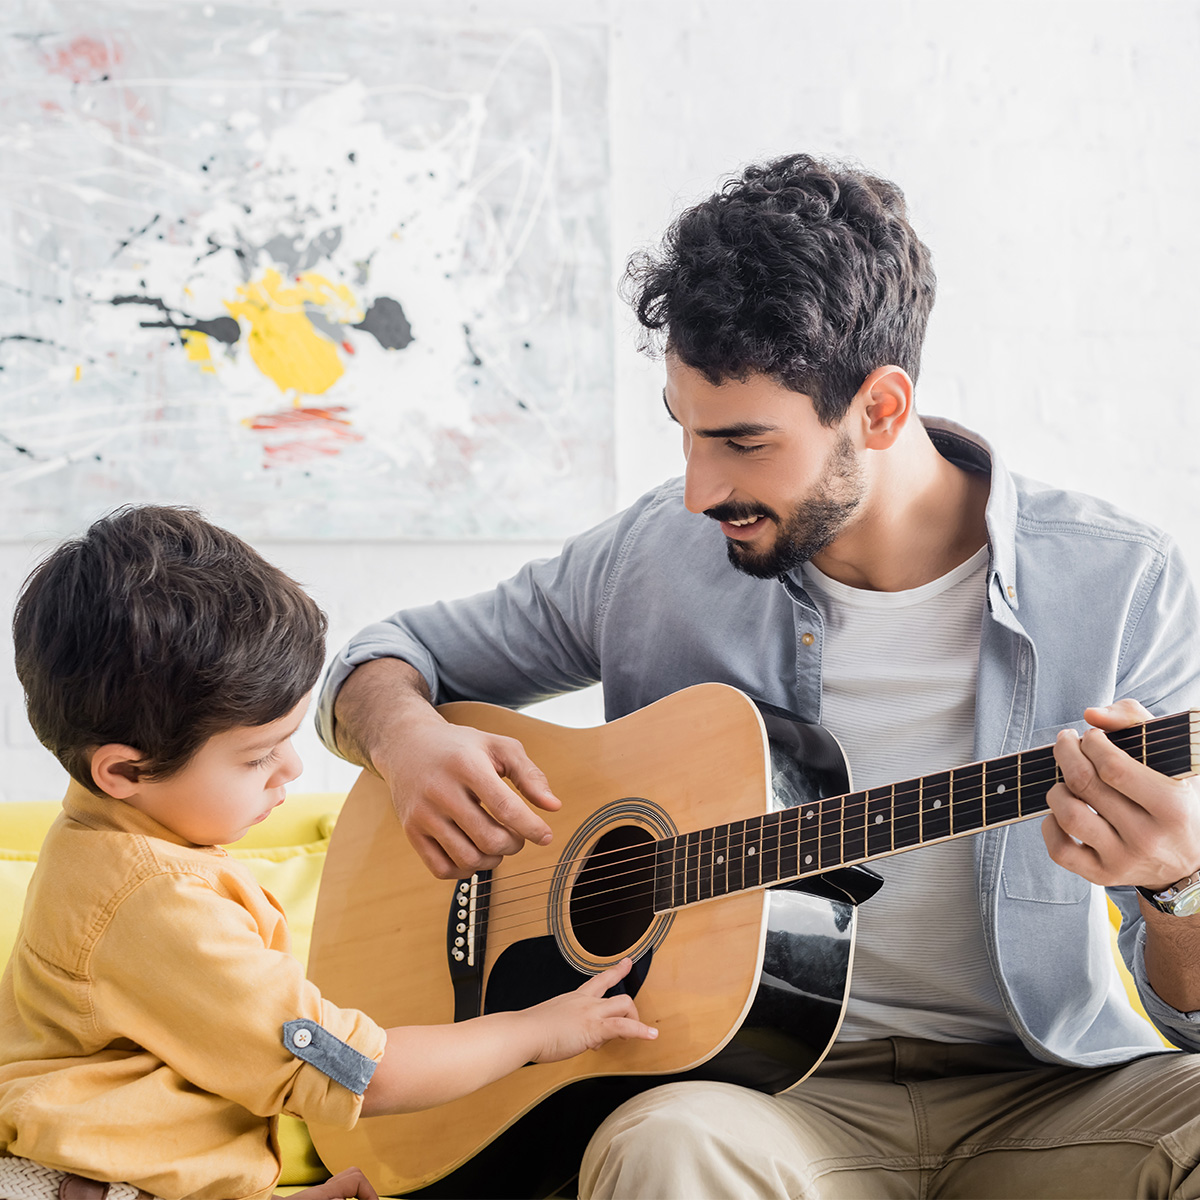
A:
{"x":386,"y":323}
{"x":224,"y":329}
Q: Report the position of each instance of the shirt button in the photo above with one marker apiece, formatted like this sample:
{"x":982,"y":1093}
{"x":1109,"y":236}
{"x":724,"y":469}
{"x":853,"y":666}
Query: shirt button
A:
{"x":301,"y":1038}
{"x":808,"y":639}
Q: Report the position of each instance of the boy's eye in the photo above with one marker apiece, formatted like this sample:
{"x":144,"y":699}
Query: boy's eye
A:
{"x":270,"y":756}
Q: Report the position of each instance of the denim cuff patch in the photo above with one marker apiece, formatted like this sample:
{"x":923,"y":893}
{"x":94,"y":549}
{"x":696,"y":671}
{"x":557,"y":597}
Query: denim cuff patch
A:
{"x":331,"y":1056}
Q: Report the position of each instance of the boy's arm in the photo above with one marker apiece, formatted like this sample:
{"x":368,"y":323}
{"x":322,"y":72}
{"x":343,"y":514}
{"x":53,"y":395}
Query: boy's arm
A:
{"x":425,"y":1065}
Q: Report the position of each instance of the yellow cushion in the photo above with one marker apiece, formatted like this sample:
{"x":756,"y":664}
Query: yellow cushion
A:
{"x":286,"y":853}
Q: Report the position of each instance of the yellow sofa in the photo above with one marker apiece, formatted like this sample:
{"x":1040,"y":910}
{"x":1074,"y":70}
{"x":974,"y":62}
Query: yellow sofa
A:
{"x":286,"y":852}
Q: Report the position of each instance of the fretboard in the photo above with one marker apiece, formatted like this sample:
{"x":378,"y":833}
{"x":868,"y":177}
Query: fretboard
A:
{"x":856,"y":827}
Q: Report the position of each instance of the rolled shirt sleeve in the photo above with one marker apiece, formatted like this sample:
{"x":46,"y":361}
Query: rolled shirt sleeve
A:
{"x":206,"y":985}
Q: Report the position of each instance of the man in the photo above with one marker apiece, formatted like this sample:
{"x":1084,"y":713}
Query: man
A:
{"x":829,"y":553}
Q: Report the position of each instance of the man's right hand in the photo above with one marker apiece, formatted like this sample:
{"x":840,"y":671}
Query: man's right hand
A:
{"x":446,"y":781}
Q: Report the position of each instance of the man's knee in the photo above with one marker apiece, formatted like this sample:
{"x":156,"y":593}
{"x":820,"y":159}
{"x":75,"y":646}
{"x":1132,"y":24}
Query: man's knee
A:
{"x":686,"y":1139}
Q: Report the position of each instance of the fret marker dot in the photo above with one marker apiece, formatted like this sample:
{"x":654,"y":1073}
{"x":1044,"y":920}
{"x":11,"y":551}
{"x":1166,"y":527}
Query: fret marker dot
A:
{"x":999,"y":788}
{"x":937,"y":804}
{"x":808,"y":816}
{"x":720,"y":859}
{"x":808,"y":860}
{"x":879,"y":819}
{"x":751,"y":850}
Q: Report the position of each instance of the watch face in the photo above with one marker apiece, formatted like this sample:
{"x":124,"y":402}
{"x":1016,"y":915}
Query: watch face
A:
{"x":1187,"y":903}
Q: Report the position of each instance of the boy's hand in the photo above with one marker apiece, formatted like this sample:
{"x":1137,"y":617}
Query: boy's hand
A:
{"x":584,"y":1020}
{"x":350,"y":1184}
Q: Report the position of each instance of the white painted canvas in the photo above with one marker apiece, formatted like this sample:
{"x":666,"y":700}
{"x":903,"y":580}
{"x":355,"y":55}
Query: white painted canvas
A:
{"x":323,"y":274}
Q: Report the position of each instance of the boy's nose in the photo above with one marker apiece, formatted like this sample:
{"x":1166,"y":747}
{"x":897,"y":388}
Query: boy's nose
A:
{"x":290,"y":765}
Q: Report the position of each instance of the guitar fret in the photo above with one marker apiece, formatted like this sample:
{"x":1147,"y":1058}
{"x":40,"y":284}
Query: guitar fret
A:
{"x":829,"y":852}
{"x":768,"y":856}
{"x":664,"y":863}
{"x":753,"y":856}
{"x":693,"y":866}
{"x":881,"y":822}
{"x":1037,"y":775}
{"x":737,"y":856}
{"x":808,"y":849}
{"x":906,"y":815}
{"x":789,"y":844}
{"x":967,"y":802}
{"x":935,"y":807}
{"x":854,"y":827}
{"x":704,"y":853}
{"x":720,"y":850}
{"x":1002,"y":791}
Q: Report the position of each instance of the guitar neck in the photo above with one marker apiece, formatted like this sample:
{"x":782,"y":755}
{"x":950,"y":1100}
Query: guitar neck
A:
{"x":857,"y":827}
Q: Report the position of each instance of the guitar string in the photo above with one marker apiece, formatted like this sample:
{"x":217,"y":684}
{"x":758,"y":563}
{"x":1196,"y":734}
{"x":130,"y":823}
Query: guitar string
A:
{"x":849,"y":802}
{"x":853,"y":807}
{"x":767,"y":844}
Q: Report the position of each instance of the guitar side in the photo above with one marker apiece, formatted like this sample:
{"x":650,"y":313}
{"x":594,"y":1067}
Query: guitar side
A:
{"x":380,"y":940}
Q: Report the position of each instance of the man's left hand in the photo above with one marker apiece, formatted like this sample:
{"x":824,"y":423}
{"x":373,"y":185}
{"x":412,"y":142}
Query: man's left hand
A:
{"x":1114,"y":820}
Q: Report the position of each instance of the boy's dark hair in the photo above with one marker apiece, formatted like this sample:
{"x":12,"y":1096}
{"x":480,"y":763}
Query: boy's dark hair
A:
{"x":803,"y":270}
{"x":158,"y":630}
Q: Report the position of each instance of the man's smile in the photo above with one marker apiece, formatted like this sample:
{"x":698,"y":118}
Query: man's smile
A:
{"x":744,"y":528}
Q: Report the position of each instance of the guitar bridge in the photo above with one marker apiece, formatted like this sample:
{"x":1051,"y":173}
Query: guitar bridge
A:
{"x":466,"y":940}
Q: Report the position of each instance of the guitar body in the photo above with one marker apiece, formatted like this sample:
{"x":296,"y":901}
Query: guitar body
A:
{"x":747,"y":988}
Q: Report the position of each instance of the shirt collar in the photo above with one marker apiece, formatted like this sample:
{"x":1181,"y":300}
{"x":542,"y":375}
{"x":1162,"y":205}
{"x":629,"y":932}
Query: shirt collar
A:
{"x":972,"y":452}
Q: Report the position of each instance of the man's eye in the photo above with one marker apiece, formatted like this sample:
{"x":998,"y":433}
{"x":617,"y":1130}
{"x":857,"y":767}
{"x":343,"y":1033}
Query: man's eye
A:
{"x":742,"y":448}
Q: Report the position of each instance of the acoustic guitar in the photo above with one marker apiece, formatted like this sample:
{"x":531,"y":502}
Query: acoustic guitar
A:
{"x":715,"y":841}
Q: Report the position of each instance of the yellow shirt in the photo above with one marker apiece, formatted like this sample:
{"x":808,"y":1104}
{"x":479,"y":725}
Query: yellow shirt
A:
{"x":141,"y":1014}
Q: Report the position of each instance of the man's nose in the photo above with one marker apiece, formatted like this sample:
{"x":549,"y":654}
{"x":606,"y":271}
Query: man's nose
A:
{"x":704,"y":487}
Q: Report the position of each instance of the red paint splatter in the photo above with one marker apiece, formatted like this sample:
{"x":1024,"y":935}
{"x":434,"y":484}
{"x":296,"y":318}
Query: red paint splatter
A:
{"x":349,"y":349}
{"x":309,"y":433}
{"x":83,"y":60}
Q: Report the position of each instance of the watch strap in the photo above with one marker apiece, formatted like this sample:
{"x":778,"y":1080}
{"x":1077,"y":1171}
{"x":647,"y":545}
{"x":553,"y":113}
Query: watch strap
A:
{"x":1181,"y":898}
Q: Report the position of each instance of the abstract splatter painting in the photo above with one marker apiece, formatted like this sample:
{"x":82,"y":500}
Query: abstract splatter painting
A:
{"x":322,"y":274}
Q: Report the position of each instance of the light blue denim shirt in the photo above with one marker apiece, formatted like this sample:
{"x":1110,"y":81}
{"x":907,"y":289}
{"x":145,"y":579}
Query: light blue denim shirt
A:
{"x":1085,"y":605}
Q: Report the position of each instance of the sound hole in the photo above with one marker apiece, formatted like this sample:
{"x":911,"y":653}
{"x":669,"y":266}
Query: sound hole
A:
{"x":612,"y":902}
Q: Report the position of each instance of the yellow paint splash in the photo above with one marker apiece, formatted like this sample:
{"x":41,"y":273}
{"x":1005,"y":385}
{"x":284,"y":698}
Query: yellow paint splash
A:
{"x":283,"y":342}
{"x":198,"y":350}
{"x":78,"y":372}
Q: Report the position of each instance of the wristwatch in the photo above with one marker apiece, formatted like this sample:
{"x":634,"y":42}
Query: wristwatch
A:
{"x":1181,"y":899}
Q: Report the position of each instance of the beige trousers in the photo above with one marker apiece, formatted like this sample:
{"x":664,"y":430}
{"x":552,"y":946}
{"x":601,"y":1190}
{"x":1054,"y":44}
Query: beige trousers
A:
{"x":913,"y":1119}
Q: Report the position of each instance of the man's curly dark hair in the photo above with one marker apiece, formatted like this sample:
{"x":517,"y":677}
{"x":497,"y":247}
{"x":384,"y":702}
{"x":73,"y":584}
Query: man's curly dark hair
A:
{"x":802,"y":270}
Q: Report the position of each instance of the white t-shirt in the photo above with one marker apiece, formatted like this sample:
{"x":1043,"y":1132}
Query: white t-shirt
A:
{"x":898,"y":692}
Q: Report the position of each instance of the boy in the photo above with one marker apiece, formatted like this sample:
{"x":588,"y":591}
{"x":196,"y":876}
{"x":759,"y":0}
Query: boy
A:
{"x":152,"y":1023}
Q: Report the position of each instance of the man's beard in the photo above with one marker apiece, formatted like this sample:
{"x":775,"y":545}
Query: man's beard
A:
{"x":810,"y":527}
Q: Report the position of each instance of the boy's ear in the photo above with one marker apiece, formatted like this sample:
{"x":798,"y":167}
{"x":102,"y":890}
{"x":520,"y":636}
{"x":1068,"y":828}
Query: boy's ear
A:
{"x":116,"y":770}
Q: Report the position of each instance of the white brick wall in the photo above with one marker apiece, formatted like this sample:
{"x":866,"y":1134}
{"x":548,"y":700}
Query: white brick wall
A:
{"x":1051,"y":154}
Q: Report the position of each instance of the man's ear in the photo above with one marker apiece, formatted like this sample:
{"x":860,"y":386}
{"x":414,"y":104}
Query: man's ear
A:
{"x":887,"y":404}
{"x":117,"y":770}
